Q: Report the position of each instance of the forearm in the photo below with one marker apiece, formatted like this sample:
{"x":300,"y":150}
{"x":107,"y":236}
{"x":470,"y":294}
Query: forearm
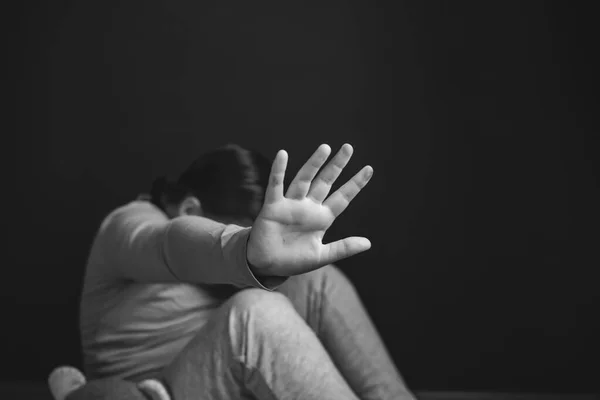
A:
{"x":199,"y":250}
{"x":142,"y":245}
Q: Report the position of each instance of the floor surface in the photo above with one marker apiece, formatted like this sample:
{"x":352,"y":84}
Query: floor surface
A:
{"x":39,"y":391}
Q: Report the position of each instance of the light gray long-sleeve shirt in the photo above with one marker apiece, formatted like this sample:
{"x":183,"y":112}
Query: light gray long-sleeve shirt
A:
{"x":144,"y":295}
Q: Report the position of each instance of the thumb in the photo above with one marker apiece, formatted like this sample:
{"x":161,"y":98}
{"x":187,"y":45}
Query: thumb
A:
{"x":155,"y":389}
{"x":344,"y":248}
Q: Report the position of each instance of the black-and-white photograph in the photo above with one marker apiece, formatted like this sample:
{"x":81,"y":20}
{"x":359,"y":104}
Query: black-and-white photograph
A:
{"x":303,"y":200}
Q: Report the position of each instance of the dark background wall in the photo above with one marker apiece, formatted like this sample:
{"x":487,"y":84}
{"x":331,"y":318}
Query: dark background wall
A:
{"x":476,"y":116}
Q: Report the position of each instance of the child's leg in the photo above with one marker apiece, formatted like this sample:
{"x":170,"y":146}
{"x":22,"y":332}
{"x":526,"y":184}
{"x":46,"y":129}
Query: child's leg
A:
{"x":328,"y":302}
{"x":256,"y":346}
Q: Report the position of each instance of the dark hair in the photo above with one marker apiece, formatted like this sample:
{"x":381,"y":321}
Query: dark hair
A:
{"x":229,"y":182}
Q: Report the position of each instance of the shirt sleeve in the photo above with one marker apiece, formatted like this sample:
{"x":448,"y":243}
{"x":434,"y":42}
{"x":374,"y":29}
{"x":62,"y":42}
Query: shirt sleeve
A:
{"x":141,"y":244}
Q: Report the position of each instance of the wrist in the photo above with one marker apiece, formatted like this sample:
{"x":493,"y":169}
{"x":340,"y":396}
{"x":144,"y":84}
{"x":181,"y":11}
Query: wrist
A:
{"x":256,"y":271}
{"x":265,"y":279}
{"x":255,"y":258}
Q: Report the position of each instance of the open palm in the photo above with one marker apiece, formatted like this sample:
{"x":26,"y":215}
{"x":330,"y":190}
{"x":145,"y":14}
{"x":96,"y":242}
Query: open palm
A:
{"x":286,"y":238}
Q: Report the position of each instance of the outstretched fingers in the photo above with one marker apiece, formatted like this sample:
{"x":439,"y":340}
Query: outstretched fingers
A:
{"x":322,"y":184}
{"x":274,"y":190}
{"x":303,"y":179}
{"x":342,"y":197}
